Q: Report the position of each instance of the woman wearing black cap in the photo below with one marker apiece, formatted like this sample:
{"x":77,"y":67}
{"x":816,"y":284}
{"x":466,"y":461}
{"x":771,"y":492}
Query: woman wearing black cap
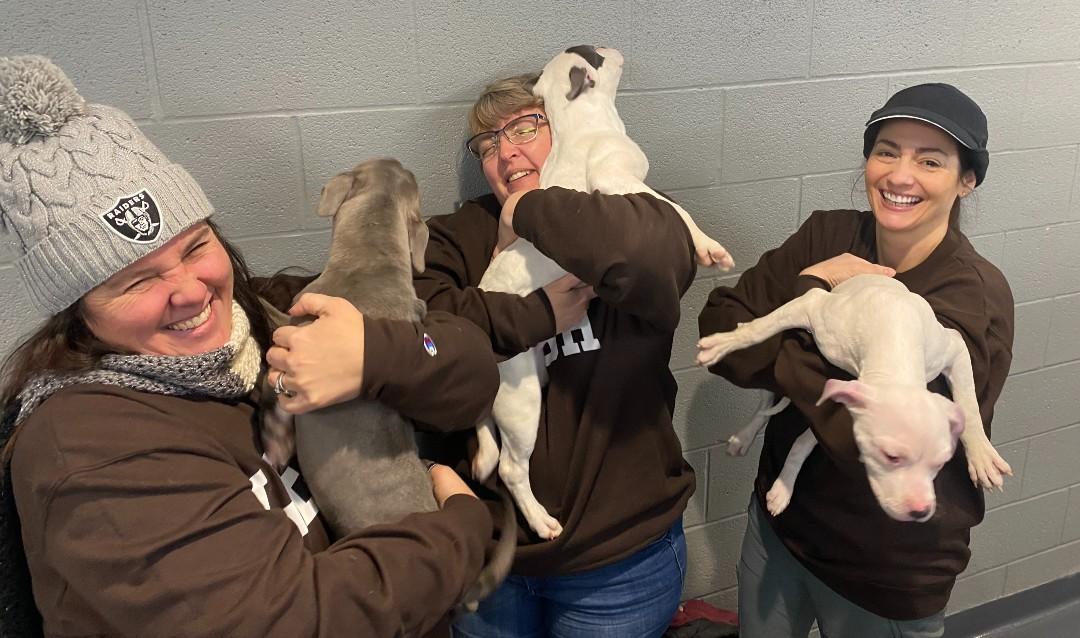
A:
{"x":834,"y":555}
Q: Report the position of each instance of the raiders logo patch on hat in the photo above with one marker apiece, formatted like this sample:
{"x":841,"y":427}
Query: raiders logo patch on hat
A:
{"x":136,"y":218}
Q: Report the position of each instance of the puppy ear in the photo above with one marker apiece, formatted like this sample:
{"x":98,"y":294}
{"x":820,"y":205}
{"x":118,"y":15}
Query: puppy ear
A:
{"x":333,"y":193}
{"x":955,"y":415}
{"x":851,"y":393}
{"x":530,"y":84}
{"x":579,"y":82}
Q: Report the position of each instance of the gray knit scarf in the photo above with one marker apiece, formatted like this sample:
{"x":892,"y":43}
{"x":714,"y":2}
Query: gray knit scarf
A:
{"x":228,"y":372}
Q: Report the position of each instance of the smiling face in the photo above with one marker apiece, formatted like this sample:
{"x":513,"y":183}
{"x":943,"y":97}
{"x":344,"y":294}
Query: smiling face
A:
{"x":516,"y":167}
{"x":175,"y":301}
{"x":913,"y":177}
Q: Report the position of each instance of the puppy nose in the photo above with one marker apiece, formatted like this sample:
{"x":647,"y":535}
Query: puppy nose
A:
{"x":920,"y":515}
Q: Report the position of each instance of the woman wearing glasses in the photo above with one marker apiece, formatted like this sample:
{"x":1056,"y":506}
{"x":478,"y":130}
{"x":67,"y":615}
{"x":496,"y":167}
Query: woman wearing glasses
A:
{"x":607,"y":463}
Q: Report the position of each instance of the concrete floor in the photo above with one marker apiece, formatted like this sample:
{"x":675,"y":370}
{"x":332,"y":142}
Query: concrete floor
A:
{"x":1048,"y":611}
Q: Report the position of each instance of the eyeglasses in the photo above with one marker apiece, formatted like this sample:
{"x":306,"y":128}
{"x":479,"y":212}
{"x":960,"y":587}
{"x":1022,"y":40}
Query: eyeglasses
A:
{"x":520,"y":130}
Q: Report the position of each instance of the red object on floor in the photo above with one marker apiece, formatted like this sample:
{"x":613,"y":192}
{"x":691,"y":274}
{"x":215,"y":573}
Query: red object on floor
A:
{"x":692,"y":610}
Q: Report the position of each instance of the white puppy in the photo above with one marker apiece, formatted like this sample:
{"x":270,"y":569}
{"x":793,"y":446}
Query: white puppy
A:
{"x":590,"y":151}
{"x":889,"y":338}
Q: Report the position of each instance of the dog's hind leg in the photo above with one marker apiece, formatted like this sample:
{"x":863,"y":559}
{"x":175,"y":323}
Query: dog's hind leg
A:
{"x":487,"y":451}
{"x":517,"y":413}
{"x":738,"y":444}
{"x":779,"y":495}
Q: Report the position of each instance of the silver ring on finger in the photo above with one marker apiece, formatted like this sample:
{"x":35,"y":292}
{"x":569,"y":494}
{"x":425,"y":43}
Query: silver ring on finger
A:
{"x":279,"y":386}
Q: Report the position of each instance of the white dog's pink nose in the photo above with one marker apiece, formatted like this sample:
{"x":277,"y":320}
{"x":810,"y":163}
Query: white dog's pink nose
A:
{"x":920,"y":512}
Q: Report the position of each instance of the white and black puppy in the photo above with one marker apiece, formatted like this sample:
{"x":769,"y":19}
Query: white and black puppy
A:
{"x":590,"y":151}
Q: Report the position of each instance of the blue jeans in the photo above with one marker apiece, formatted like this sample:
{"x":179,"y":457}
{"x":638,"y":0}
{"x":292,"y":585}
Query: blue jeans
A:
{"x":635,"y":597}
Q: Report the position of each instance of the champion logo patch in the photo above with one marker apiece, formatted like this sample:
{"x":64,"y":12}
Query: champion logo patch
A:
{"x":429,"y":345}
{"x":136,"y":218}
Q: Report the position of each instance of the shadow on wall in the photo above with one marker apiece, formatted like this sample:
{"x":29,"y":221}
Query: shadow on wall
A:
{"x":471,"y":182}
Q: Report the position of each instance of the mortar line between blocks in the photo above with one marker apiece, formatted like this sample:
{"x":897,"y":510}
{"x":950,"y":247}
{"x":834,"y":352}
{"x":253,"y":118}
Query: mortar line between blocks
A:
{"x":304,"y":195}
{"x":157,"y":111}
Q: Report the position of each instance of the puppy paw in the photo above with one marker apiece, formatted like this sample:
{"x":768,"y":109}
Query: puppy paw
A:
{"x":715,"y":347}
{"x":986,"y":467}
{"x":711,"y":254}
{"x":484,"y":463}
{"x":736,"y":446}
{"x":777,"y":498}
{"x":544,"y":524}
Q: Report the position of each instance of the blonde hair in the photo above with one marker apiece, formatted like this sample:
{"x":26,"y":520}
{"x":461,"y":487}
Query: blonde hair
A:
{"x":501,"y":98}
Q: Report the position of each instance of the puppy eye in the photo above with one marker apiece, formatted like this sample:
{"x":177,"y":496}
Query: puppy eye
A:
{"x":892,"y":459}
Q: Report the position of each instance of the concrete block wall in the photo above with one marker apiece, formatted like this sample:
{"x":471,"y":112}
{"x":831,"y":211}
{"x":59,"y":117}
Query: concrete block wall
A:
{"x":751,"y":114}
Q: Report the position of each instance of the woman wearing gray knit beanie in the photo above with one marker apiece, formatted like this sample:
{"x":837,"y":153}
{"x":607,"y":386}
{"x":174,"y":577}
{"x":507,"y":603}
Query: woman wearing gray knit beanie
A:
{"x":136,"y":498}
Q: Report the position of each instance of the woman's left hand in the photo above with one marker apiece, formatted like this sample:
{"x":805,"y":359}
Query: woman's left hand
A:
{"x":323,"y":361}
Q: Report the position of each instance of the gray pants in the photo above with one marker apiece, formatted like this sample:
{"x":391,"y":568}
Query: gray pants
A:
{"x":779,"y":598}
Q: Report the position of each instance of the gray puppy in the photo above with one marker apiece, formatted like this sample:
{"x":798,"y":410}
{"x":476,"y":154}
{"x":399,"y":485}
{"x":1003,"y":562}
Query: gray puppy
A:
{"x":360,"y":458}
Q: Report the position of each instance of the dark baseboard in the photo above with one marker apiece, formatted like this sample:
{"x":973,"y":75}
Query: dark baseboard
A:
{"x":1009,"y":615}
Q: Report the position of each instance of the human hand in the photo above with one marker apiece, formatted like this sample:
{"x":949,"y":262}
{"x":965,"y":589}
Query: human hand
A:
{"x":569,"y":299}
{"x":445,"y":483}
{"x":837,"y":270}
{"x":323,"y":361}
{"x":506,"y":222}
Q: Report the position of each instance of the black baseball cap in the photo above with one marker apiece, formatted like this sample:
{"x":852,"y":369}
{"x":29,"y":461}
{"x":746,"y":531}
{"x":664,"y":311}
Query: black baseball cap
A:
{"x":943,"y":106}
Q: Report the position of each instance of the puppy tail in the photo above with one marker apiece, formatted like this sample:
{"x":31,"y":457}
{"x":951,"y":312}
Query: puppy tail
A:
{"x":502,"y":558}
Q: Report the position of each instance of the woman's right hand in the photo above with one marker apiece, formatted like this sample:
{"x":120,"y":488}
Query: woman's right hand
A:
{"x":323,"y":361}
{"x":445,"y":483}
{"x":836,"y":270}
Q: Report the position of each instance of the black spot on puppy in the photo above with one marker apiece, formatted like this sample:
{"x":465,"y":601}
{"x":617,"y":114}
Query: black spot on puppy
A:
{"x":588,"y":52}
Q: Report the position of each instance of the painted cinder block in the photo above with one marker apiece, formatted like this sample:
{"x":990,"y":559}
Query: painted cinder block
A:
{"x":1032,"y":571}
{"x":461,"y":47}
{"x":1029,"y":342}
{"x":971,"y":591}
{"x":1017,"y":530}
{"x":1037,"y":402}
{"x":1056,"y":464}
{"x":1016,"y":455}
{"x":1020,"y":193}
{"x":1050,"y":116}
{"x":684,"y":346}
{"x":708,"y":409}
{"x":719,"y":41}
{"x":1032,"y":267}
{"x":102,"y":50}
{"x":20,"y":317}
{"x":680,"y":132}
{"x":305,"y":252}
{"x":731,"y":479}
{"x":1010,"y":32}
{"x":1072,"y":517}
{"x":791,"y":129}
{"x":832,"y":191}
{"x":715,"y":550}
{"x":429,"y":142}
{"x":695,"y":509}
{"x":847,"y":36}
{"x":748,"y":219}
{"x":254,"y":180}
{"x":219,"y":58}
{"x":992,"y":247}
{"x":1064,"y":341}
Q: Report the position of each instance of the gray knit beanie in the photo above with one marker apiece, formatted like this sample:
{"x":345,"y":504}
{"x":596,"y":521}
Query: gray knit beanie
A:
{"x":80,"y":186}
